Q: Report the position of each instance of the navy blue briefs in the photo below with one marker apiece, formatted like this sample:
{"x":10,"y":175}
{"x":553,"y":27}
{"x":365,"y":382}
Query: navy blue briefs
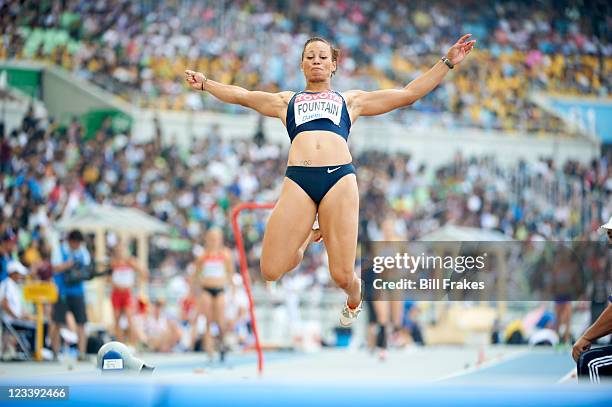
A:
{"x":317,"y":181}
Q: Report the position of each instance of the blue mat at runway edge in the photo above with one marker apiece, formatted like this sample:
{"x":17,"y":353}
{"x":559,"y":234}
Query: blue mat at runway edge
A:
{"x":137,"y":394}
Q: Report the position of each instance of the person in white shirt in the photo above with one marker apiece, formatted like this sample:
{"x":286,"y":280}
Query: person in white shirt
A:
{"x":11,"y":305}
{"x":163,"y":333}
{"x":10,"y":293}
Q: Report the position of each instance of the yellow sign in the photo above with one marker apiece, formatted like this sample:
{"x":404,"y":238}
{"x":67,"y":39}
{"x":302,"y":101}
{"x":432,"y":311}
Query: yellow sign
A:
{"x":40,"y":291}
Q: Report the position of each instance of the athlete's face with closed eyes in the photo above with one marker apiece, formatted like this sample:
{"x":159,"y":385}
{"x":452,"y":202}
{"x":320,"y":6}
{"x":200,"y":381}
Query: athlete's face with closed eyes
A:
{"x":317,"y":62}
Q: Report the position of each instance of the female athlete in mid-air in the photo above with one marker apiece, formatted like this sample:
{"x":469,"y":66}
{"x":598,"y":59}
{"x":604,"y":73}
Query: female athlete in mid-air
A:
{"x":320,"y":177}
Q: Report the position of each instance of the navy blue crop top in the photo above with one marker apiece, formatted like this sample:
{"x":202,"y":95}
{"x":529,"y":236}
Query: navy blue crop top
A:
{"x":309,"y":111}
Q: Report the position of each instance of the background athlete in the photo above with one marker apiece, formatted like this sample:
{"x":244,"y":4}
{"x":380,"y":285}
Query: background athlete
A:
{"x":319,"y":175}
{"x":214,"y":271}
{"x":126,"y":275}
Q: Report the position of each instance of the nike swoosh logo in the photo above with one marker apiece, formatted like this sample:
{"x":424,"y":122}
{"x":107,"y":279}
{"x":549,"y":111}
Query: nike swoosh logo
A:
{"x":330,"y":171}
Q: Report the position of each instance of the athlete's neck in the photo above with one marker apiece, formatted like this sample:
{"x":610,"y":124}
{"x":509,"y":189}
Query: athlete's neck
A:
{"x":317,"y":87}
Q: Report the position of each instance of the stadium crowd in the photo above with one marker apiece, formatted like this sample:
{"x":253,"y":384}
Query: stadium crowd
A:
{"x":49,"y":171}
{"x":139,"y":50}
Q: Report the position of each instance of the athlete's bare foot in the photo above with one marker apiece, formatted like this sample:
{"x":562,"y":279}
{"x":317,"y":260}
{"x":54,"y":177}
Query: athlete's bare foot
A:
{"x":313,"y":237}
{"x":316,"y":236}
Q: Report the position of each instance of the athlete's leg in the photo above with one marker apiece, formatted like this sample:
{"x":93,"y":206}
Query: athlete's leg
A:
{"x":338,"y":220}
{"x":382,"y":311}
{"x":382,"y":320}
{"x":219,"y":317}
{"x":563,"y":317}
{"x":218,"y":304}
{"x":288,"y":232}
{"x":568,"y":323}
{"x":117,"y":324}
{"x":372,"y":325}
{"x":397,"y":314}
{"x":206,"y":309}
{"x":558,"y":318}
{"x":129,"y":314}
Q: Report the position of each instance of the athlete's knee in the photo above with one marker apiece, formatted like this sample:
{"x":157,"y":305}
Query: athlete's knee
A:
{"x":269,"y":270}
{"x":345,"y":278}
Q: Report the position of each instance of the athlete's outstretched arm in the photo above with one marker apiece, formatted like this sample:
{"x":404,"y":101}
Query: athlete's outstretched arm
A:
{"x":382,"y":101}
{"x":268,"y":104}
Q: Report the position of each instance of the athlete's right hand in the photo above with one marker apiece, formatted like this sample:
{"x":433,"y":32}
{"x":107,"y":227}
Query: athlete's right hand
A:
{"x":195,"y":79}
{"x":581,"y":345}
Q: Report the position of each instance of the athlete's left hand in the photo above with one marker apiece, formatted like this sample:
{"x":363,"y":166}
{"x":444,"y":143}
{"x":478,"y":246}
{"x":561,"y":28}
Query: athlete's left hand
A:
{"x":460,"y":49}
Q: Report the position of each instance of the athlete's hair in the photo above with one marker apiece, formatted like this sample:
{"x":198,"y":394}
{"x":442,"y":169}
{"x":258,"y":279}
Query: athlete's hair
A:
{"x":335,"y":52}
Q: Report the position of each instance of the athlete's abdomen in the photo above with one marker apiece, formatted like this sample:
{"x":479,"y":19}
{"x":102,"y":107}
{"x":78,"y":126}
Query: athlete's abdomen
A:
{"x":318,"y":148}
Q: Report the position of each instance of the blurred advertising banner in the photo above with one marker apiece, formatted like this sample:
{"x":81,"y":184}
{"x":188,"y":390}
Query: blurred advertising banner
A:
{"x":486,"y":271}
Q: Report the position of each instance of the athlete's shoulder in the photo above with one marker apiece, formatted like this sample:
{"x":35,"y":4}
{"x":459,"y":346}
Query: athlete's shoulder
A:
{"x":201,"y":257}
{"x":353,"y":92}
{"x":286,"y":95}
{"x":350,"y":95}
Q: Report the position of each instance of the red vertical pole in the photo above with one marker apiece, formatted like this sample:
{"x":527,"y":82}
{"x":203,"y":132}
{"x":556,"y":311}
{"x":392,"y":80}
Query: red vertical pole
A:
{"x":245,"y":272}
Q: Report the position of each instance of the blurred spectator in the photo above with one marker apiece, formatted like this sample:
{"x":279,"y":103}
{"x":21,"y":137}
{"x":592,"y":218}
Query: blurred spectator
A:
{"x":161,"y":332}
{"x":138,"y":321}
{"x":189,"y":321}
{"x":545,"y":333}
{"x":5,"y":150}
{"x":8,"y":242}
{"x":410,"y":322}
{"x":12,"y":311}
{"x":389,"y":314}
{"x":42,"y":268}
{"x":71,"y":255}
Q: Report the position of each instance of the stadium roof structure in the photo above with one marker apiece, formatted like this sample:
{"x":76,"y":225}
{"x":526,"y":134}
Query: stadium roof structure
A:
{"x":452,"y":233}
{"x":94,"y":217}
